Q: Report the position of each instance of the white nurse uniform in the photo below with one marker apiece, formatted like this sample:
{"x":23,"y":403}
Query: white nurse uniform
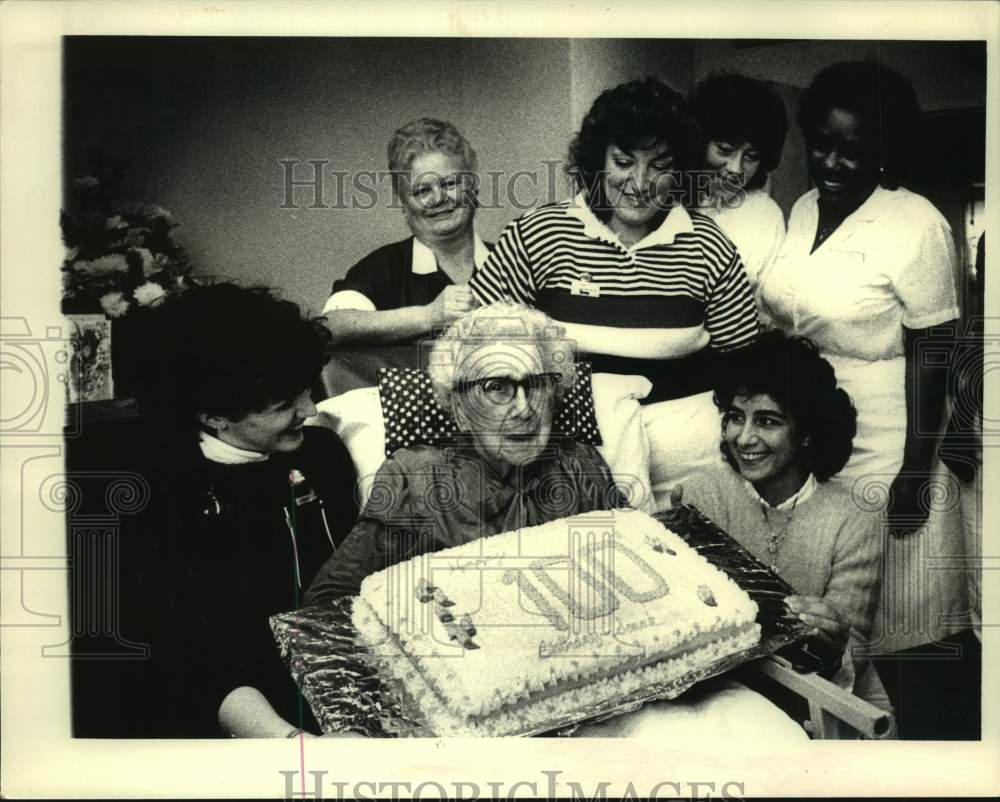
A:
{"x":890,"y":264}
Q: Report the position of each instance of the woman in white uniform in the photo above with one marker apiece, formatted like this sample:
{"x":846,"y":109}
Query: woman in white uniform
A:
{"x":742,"y":127}
{"x":866,"y":271}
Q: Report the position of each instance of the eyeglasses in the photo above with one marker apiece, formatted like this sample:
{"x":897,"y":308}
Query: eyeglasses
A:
{"x":503,"y":389}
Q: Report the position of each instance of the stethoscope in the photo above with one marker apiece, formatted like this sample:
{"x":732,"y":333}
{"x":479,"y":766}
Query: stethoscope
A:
{"x":295,"y":480}
{"x":307,"y":495}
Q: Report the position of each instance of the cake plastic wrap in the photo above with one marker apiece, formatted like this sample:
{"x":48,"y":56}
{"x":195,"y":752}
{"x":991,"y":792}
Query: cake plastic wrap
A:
{"x":348,"y":690}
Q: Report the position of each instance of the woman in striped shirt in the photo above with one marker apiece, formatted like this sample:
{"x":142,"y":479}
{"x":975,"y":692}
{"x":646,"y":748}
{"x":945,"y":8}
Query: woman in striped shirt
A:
{"x":643,"y":286}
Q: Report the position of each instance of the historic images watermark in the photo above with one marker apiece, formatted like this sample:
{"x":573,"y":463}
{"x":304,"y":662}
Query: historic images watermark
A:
{"x":317,"y":184}
{"x":551,"y":785}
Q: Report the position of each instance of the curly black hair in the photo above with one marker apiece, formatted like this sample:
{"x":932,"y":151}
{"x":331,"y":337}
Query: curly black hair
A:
{"x":791,"y":371}
{"x":885,"y":102}
{"x":630,"y":115}
{"x":227,"y":350}
{"x":736,"y":109}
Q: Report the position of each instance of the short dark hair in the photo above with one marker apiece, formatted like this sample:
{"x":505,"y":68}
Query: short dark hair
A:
{"x":885,"y":102}
{"x":629,"y":115}
{"x":738,"y":109}
{"x":791,"y":371}
{"x":227,"y":350}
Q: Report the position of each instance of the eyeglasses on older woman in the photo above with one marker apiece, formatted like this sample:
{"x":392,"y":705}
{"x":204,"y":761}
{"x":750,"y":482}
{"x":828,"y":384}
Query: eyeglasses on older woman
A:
{"x":503,"y":389}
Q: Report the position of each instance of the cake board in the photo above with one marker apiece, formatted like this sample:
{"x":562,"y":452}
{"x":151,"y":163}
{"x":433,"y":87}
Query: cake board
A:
{"x":349,"y":692}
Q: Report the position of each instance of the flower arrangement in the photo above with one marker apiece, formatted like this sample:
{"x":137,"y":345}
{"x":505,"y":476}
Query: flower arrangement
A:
{"x":121,"y":253}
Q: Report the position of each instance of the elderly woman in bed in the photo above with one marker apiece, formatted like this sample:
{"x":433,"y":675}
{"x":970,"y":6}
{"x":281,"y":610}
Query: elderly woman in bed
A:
{"x":499,"y":370}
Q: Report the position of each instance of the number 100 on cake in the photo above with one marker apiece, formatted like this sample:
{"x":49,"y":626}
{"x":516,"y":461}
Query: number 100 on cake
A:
{"x":504,"y":634}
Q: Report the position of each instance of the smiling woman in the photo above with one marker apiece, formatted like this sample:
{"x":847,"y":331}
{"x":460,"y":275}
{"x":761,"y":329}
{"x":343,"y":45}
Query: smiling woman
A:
{"x":407,"y":289}
{"x":741,"y":126}
{"x":642,"y":286}
{"x":787,"y":429}
{"x":247,"y":504}
{"x":867,"y":272}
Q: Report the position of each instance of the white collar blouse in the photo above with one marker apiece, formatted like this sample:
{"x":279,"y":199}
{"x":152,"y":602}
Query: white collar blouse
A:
{"x":889,"y":264}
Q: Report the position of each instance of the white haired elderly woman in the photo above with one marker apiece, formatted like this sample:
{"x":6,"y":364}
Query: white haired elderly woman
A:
{"x":404,"y":290}
{"x":499,"y":371}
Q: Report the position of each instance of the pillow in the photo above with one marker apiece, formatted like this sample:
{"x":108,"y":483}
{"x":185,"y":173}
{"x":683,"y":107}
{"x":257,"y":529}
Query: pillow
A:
{"x":626,"y":446}
{"x":356,"y":418}
{"x":683,"y":435}
{"x":414,"y":417}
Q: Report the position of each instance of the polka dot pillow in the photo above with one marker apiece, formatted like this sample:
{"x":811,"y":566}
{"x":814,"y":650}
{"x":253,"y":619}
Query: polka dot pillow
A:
{"x":413,"y":416}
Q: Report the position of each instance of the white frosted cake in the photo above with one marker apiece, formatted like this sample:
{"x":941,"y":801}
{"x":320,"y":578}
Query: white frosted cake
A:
{"x":505,"y":633}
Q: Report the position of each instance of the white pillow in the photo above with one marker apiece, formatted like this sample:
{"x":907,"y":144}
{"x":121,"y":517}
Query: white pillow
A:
{"x":356,"y":417}
{"x":626,"y":446}
{"x":683,"y":436}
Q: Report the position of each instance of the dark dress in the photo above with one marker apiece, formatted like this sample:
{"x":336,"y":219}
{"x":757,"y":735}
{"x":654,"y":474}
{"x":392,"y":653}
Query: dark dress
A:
{"x":386,"y":278}
{"x":203,"y":568}
{"x":427,"y":498}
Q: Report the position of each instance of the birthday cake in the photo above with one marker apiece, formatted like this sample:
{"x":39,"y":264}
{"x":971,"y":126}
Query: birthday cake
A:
{"x":505,"y":633}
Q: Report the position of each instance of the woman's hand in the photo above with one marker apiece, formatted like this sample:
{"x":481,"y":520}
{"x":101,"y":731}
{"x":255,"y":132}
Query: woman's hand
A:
{"x":829,"y":627}
{"x":451,"y":304}
{"x":246,"y":713}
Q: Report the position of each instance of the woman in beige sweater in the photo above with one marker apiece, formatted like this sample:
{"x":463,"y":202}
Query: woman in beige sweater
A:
{"x":786,"y":429}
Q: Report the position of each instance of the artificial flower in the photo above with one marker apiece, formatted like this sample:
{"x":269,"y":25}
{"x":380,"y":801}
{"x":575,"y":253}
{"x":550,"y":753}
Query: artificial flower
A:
{"x":149,"y":265}
{"x":149,"y":294}
{"x":154,"y":211}
{"x":112,"y":263}
{"x":114,"y":304}
{"x":113,"y":246}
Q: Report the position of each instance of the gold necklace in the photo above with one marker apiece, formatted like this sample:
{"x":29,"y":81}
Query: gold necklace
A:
{"x":775,"y":539}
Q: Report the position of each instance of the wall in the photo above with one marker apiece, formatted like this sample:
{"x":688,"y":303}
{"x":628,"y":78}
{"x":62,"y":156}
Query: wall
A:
{"x":946,"y":75}
{"x":198,"y":126}
{"x":598,"y":64}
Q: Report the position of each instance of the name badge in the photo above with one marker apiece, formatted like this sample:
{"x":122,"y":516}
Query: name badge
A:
{"x":585,"y":287}
{"x":850,"y":257}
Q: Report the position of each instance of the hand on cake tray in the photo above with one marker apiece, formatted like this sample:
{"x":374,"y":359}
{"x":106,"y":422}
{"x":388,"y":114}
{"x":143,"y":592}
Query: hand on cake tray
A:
{"x":829,"y":632}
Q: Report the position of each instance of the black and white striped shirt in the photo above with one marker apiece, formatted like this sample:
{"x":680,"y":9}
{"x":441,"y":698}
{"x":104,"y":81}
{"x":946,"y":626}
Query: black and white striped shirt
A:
{"x":679,"y":290}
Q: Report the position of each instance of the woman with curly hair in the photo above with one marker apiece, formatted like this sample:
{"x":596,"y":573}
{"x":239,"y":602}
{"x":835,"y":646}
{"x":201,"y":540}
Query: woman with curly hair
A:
{"x":866,"y":271}
{"x":246,"y":504}
{"x":741,"y":128}
{"x":787,"y":429}
{"x":640,"y":284}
